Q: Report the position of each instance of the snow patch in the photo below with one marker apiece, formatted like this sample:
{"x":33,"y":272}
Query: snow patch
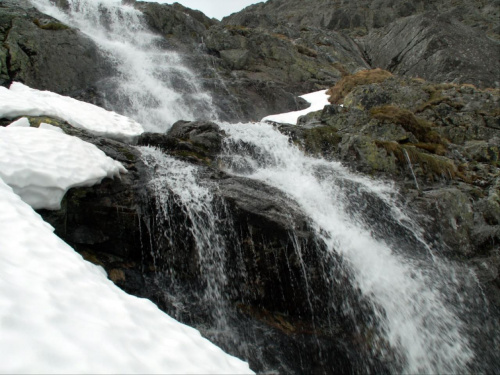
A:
{"x":20,"y":100}
{"x":318,"y":101}
{"x":41,"y":165}
{"x":21,"y":123}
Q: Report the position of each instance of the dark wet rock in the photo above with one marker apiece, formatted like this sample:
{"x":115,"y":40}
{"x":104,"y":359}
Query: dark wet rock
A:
{"x":42,"y":53}
{"x":207,"y":135}
{"x":196,"y":141}
{"x":63,"y":4}
{"x":263,"y":205}
{"x":454,"y":219}
{"x":104,"y":218}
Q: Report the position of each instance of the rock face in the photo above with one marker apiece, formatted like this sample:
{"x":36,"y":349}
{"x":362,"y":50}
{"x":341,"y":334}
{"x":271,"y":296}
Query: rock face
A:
{"x":443,"y":41}
{"x":45,"y":54}
{"x":437,"y":48}
{"x":359,"y":17}
{"x":270,"y":67}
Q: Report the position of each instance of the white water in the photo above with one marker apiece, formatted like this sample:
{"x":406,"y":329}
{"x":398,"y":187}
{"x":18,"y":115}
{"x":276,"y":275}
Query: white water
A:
{"x":152,"y":86}
{"x":180,"y":178}
{"x":416,"y":321}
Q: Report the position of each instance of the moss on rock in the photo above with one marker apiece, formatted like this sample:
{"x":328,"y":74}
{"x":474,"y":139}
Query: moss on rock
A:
{"x":55,"y":26}
{"x":321,"y":140}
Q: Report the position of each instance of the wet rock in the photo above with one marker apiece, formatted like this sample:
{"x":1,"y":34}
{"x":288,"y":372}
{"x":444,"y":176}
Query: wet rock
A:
{"x":42,"y":53}
{"x":453,"y":219}
{"x":183,"y":28}
{"x":198,"y":141}
{"x":207,"y":135}
{"x":104,"y":218}
{"x":63,"y":4}
{"x":263,"y":205}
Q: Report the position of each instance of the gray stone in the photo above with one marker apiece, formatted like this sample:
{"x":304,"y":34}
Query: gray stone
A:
{"x":42,"y":53}
{"x":437,"y":48}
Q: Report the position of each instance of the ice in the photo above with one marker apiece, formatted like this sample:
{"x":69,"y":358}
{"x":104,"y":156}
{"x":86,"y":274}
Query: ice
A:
{"x":60,"y":314}
{"x":41,"y":165}
{"x":318,"y":101}
{"x":20,"y":100}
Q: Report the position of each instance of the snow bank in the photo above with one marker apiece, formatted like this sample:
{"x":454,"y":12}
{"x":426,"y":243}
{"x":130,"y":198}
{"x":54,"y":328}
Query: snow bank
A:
{"x":42,"y":164}
{"x":60,"y":314}
{"x":21,"y":100}
{"x":317,"y":99}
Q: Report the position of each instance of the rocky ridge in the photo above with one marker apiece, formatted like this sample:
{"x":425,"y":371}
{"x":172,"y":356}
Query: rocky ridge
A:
{"x":441,"y":41}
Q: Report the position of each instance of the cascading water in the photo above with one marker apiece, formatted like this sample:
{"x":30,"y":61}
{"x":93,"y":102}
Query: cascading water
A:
{"x":152,"y":85}
{"x":413,"y":325}
{"x":410,"y":313}
{"x":175,"y":181}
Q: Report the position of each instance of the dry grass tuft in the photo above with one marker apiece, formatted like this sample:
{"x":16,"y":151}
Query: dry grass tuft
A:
{"x":433,"y":148}
{"x":348,"y":83}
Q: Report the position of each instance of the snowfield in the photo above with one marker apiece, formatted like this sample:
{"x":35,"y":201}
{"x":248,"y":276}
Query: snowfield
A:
{"x":58,"y":312}
{"x":21,"y":100}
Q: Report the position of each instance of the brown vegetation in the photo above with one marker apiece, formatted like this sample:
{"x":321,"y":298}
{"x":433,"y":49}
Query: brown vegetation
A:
{"x":348,"y":83}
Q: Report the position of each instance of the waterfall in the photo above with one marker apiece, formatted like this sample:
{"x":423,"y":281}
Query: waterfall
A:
{"x":151,"y":84}
{"x":416,"y":318}
{"x":412,"y":315}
